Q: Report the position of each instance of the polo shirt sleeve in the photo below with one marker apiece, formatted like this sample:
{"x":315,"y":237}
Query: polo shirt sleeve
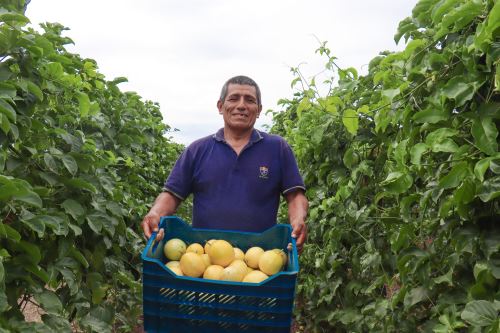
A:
{"x":179,"y":182}
{"x":291,"y":179}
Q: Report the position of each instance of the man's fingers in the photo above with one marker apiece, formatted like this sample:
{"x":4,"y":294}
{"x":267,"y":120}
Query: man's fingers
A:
{"x":146,"y":228}
{"x":159,"y":235}
{"x":302,"y":237}
{"x":297,"y":230}
{"x":300,"y":234}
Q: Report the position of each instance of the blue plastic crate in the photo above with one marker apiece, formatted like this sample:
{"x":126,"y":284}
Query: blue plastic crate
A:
{"x":184,"y":304}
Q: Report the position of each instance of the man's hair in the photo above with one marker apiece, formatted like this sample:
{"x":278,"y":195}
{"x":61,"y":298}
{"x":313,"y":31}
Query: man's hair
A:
{"x":242,"y":80}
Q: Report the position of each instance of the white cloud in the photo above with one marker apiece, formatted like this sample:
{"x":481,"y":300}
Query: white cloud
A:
{"x":179,"y":53}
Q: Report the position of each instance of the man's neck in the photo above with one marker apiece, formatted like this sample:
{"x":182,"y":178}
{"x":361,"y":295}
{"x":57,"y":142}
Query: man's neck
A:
{"x":237,"y":139}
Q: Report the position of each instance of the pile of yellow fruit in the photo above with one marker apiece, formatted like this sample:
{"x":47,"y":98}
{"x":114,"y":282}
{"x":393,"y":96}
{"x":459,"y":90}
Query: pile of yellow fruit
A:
{"x":219,"y":260}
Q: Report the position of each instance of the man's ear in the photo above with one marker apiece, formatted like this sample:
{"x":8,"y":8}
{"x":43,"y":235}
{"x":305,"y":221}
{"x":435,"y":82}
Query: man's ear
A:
{"x":219,"y":106}
{"x":258,"y":112}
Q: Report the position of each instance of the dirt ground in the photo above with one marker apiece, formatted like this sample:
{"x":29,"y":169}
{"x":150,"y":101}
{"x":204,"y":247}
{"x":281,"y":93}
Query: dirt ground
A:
{"x":32,"y":313}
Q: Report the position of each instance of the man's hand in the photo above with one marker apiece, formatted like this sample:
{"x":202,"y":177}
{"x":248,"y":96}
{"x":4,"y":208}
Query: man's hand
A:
{"x":150,"y":225}
{"x":299,"y":232}
{"x":297,"y":213}
{"x":165,"y":204}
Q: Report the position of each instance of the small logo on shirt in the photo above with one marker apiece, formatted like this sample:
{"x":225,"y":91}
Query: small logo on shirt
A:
{"x":264,"y":172}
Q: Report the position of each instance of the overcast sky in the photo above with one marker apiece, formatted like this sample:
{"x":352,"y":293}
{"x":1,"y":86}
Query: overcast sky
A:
{"x":179,"y":53}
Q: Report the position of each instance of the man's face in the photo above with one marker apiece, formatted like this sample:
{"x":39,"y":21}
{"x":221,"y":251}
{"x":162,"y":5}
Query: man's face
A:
{"x":240,"y":109}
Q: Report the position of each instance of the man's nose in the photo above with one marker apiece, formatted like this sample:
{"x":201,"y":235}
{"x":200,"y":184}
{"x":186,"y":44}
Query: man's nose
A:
{"x":241,"y":104}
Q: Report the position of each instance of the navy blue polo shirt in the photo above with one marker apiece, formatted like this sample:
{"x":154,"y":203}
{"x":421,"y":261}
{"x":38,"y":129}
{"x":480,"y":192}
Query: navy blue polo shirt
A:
{"x":235,"y":192}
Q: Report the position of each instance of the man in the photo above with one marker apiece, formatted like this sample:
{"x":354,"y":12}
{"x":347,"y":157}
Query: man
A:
{"x":236,"y":175}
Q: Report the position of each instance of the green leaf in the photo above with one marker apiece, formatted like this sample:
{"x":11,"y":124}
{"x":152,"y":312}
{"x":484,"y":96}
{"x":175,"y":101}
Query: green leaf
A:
{"x":350,"y":158}
{"x":447,"y":146}
{"x":70,"y":164}
{"x":79,"y":256}
{"x":31,"y":250}
{"x":400,"y":153}
{"x":304,"y":104}
{"x":494,"y":166}
{"x":485,"y":135}
{"x":58,"y":225}
{"x":54,"y":70}
{"x":8,"y":110}
{"x":95,"y":222}
{"x":84,"y":102}
{"x":497,"y":79}
{"x":350,"y":120}
{"x":490,"y":189}
{"x":98,"y":293}
{"x":405,"y":27}
{"x":35,"y":90}
{"x":445,"y":278}
{"x":382,"y":120}
{"x":70,"y":279}
{"x":365,"y":109}
{"x":479,"y":313}
{"x":49,"y":301}
{"x":76,"y":229}
{"x":465,"y":192}
{"x":439,"y":135}
{"x":73,"y":208}
{"x":96,"y":323}
{"x":50,"y":162}
{"x":430,"y":115}
{"x":350,"y":316}
{"x":115,"y":208}
{"x":494,"y":264}
{"x":397,"y":182}
{"x":37,"y":271}
{"x":57,"y":323}
{"x":30,"y":197}
{"x":441,"y":9}
{"x":415,"y":295}
{"x":4,"y":123}
{"x":391,"y":93}
{"x":34,"y":224}
{"x":81,"y":184}
{"x":416,"y":44}
{"x":4,"y":303}
{"x":417,"y":151}
{"x":479,"y":268}
{"x":6,"y":231}
{"x":12,"y":17}
{"x":481,"y":167}
{"x":457,"y":18}
{"x":458,"y":90}
{"x":455,"y":176}
{"x":2,"y":274}
{"x":18,"y":189}
{"x":493,"y":21}
{"x":7,"y":91}
{"x":401,"y":238}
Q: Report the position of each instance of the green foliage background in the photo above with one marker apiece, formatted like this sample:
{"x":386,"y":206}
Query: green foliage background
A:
{"x":402,"y":167}
{"x":403,"y":174}
{"x":80,"y":162}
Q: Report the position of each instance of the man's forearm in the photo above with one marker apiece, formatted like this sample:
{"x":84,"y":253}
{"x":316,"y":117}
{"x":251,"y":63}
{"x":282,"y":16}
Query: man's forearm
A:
{"x":297,"y":213}
{"x":165,"y":204}
{"x":297,"y":206}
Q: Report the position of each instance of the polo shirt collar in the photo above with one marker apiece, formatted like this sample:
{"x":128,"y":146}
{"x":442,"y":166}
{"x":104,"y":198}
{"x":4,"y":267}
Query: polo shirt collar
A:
{"x":255,"y":137}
